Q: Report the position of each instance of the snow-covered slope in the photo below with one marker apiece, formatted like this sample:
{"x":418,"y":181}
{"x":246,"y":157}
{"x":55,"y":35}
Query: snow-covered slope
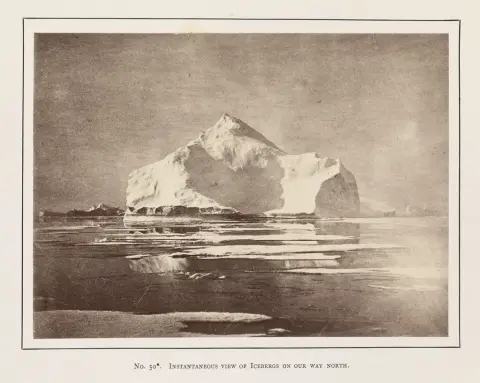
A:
{"x":232,"y":168}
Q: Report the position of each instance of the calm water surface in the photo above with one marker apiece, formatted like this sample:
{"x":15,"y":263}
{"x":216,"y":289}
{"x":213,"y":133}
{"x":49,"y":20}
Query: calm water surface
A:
{"x":357,"y":277}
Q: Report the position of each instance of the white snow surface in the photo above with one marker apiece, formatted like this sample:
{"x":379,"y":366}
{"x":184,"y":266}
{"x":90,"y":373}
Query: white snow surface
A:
{"x":232,"y":166}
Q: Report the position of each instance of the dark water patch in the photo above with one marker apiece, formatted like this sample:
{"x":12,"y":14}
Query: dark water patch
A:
{"x":253,"y":233}
{"x":176,"y":229}
{"x":256,"y":265}
{"x":346,"y":229}
{"x":234,"y":242}
{"x":351,"y":241}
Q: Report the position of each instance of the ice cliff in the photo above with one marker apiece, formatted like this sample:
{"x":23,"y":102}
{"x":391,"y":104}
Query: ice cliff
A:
{"x":233,"y":169}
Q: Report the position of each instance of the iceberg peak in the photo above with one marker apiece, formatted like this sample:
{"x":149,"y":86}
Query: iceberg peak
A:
{"x":229,"y":128}
{"x":227,"y":117}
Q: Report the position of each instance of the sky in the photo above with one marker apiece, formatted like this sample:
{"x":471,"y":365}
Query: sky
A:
{"x":106,"y":104}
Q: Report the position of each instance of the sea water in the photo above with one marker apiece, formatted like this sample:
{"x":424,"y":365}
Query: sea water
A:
{"x":303,"y":277}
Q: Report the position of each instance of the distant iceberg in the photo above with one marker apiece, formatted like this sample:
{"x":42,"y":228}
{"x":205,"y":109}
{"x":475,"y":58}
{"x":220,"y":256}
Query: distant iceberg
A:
{"x":416,"y":211}
{"x":100,"y":210}
{"x":371,"y":208}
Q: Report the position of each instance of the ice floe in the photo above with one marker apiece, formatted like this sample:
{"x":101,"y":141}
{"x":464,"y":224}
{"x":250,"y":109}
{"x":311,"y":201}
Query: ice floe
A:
{"x":330,"y":271}
{"x":407,"y":288}
{"x":268,"y":249}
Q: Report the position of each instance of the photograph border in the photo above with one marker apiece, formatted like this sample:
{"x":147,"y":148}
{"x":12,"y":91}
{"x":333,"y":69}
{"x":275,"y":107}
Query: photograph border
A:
{"x":457,"y":21}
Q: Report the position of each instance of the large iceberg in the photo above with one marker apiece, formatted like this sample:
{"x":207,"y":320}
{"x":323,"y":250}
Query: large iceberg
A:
{"x":233,"y":169}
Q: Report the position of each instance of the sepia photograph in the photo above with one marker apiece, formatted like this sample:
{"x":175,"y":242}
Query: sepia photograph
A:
{"x":242,"y":185}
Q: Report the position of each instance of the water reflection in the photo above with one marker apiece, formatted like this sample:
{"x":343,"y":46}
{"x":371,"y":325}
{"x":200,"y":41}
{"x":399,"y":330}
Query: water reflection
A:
{"x":346,"y":229}
{"x":246,"y":266}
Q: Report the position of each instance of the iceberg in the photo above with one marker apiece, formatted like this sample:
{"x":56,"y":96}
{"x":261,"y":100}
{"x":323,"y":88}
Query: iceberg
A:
{"x":233,"y":169}
{"x":100,"y":210}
